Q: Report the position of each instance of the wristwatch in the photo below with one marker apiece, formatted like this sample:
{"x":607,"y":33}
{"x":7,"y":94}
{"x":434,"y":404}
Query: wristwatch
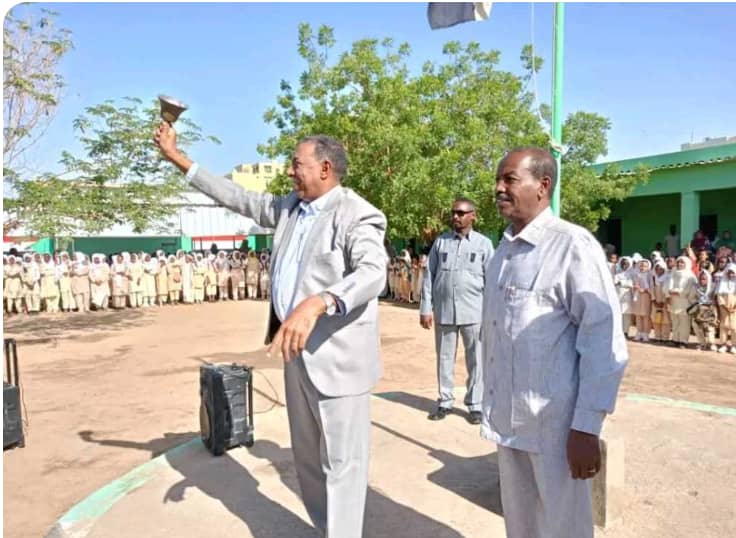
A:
{"x":330,"y":303}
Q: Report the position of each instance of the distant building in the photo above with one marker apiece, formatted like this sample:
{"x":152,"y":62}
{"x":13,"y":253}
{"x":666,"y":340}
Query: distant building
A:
{"x":694,"y":189}
{"x":709,"y":142}
{"x":256,"y":176}
{"x":196,"y":225}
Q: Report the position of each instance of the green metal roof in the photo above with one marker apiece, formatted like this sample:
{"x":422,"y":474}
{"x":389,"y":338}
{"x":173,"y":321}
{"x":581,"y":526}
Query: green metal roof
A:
{"x":679,"y":159}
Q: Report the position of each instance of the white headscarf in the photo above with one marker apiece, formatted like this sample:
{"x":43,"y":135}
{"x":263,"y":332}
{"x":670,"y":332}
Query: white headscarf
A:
{"x":643,"y":278}
{"x":405,"y":256}
{"x":727,"y":286}
{"x":151,"y":265}
{"x":619,"y":266}
{"x":705,"y":295}
{"x":658,"y":280}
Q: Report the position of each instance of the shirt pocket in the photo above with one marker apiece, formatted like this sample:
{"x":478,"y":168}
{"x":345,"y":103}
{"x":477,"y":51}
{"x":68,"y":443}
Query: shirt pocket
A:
{"x":530,"y":313}
{"x":445,"y":260}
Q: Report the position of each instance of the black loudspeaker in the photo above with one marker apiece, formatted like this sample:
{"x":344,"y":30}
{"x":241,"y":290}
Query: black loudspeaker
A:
{"x":226,"y":406}
{"x":12,"y":421}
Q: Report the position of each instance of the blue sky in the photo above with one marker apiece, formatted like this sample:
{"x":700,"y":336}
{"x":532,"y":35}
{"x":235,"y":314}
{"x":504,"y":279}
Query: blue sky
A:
{"x":662,"y":73}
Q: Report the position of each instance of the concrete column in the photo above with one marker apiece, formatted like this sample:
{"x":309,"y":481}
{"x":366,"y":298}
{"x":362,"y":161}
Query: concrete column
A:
{"x":689,"y":215}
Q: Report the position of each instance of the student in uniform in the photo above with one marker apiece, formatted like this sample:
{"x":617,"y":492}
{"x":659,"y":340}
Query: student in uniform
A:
{"x":264,"y":277}
{"x":252,"y":274}
{"x":148,"y":280}
{"x":660,"y":309}
{"x":99,"y":275}
{"x":64,"y":276}
{"x":681,"y":294}
{"x":32,"y":282}
{"x":119,"y":281}
{"x":642,"y":305}
{"x":624,"y":284}
{"x":135,"y":281}
{"x":405,"y":277}
{"x":173,"y":283}
{"x":198,"y":277}
{"x":13,"y":285}
{"x":187,"y":278}
{"x":210,"y":282}
{"x":162,"y":281}
{"x":80,"y":282}
{"x":237,"y":276}
{"x":49,"y":284}
{"x":704,"y":314}
{"x":726,"y":299}
{"x":223,"y":275}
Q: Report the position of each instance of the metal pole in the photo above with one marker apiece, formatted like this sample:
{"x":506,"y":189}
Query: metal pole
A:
{"x":559,"y":31}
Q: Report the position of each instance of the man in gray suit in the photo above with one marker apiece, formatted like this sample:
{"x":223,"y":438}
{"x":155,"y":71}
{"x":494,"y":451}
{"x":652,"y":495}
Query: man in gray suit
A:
{"x":327,"y":268}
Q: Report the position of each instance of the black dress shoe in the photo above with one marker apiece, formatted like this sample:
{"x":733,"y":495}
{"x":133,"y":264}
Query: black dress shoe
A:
{"x":474,"y":417}
{"x":440,"y":413}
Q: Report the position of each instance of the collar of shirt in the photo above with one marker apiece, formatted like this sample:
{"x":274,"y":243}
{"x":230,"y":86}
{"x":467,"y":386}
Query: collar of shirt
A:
{"x":532,"y":232}
{"x":313,"y":208}
{"x":458,"y":236}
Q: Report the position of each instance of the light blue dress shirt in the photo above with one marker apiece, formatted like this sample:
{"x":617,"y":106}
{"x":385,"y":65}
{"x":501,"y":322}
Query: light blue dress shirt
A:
{"x":284,"y":281}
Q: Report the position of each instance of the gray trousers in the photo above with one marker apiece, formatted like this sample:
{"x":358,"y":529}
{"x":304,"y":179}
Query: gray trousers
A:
{"x":330,"y":438}
{"x":446,"y":345}
{"x":540,"y":498}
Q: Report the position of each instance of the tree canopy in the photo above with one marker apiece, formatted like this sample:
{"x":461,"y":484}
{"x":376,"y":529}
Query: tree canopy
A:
{"x":416,"y":141}
{"x":121,"y":178}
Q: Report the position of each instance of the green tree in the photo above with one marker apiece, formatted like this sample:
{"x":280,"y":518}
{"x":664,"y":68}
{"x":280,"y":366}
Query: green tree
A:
{"x":33,"y":47}
{"x":121,"y":179}
{"x":586,"y":197}
{"x":418,"y":141}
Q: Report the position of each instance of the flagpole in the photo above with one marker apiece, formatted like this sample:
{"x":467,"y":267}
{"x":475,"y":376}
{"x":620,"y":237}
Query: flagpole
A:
{"x":559,"y":31}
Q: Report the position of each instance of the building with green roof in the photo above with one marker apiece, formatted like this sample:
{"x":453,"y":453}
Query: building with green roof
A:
{"x":693,"y":189}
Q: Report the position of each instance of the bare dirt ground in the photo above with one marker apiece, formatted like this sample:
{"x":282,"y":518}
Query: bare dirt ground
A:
{"x":105,"y":392}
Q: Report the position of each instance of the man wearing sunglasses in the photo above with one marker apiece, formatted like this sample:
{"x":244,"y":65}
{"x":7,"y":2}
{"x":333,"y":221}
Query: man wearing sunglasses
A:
{"x":452,"y":300}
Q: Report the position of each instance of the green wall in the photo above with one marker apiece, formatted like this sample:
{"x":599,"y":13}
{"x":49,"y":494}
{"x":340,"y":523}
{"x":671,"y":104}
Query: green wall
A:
{"x":645,"y":221}
{"x":43,"y":246}
{"x":722,"y":203}
{"x":110,"y":245}
{"x":704,"y":177}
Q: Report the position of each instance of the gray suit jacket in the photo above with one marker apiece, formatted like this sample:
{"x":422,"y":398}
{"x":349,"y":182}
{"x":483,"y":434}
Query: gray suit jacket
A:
{"x":344,"y":255}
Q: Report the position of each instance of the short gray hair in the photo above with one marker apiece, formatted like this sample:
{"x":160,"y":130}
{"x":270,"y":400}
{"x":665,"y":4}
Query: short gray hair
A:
{"x":330,"y":149}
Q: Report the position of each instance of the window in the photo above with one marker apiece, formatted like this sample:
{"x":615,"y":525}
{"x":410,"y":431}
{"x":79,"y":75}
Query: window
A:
{"x":268,"y":169}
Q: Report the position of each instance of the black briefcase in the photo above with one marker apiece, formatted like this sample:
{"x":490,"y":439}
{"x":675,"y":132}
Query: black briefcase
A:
{"x":226,"y":406}
{"x":12,"y":418}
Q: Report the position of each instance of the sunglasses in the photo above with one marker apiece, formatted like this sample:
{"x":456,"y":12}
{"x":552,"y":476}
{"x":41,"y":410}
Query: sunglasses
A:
{"x":461,"y":213}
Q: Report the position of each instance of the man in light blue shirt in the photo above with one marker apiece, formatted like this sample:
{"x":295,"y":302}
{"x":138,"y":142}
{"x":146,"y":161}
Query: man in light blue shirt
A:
{"x":554,"y":355}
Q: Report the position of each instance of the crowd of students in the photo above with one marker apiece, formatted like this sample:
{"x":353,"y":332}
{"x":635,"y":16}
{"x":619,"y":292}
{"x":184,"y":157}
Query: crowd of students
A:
{"x":60,"y":283}
{"x":404,"y":276}
{"x":664,"y":298}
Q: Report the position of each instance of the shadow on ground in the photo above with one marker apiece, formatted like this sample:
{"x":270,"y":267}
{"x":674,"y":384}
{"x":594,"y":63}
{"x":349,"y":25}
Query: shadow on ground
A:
{"x":155,"y":447}
{"x":237,"y":489}
{"x":96,"y":326}
{"x":473,"y":478}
